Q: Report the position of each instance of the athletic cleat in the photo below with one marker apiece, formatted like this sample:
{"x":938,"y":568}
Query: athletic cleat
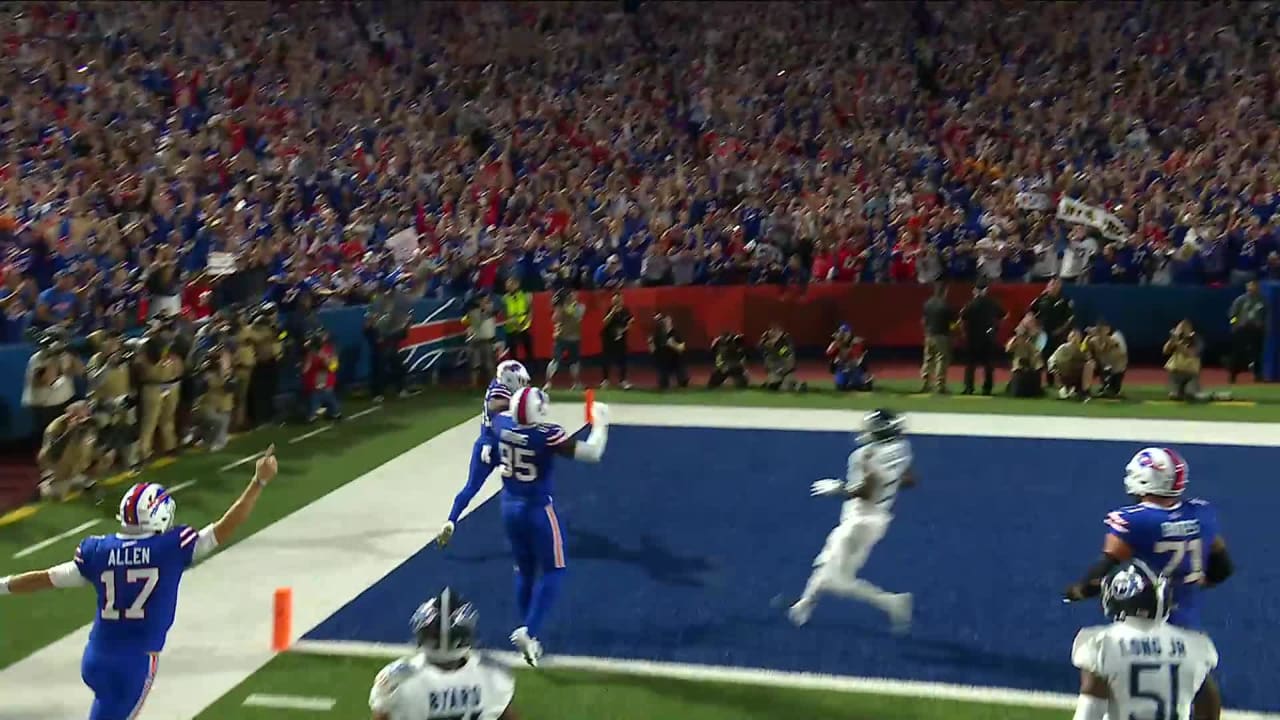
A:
{"x":900,"y":613}
{"x":528,"y":646}
{"x":800,"y":612}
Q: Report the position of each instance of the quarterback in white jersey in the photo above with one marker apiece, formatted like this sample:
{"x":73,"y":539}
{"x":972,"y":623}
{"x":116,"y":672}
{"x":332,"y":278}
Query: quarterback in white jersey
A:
{"x":444,"y":680}
{"x":876,"y":471}
{"x":1141,"y":666}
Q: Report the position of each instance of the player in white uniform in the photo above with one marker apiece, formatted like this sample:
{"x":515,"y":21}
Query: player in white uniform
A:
{"x":1141,"y":667}
{"x":444,"y":680}
{"x":876,"y":471}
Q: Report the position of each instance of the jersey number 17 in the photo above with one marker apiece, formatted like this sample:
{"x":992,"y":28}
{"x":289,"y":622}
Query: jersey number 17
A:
{"x":148,"y":577}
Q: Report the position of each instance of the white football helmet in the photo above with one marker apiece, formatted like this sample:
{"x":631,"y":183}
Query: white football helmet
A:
{"x":530,"y":406}
{"x":513,"y":375}
{"x":1156,"y":471}
{"x":146,"y":508}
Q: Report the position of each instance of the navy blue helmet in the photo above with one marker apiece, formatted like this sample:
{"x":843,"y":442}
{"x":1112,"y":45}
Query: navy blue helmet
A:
{"x":445,"y":626}
{"x":881,"y":425}
{"x":1133,"y":589}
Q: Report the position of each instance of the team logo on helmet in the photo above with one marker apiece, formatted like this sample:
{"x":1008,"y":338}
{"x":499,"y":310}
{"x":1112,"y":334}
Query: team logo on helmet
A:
{"x":1127,"y":585}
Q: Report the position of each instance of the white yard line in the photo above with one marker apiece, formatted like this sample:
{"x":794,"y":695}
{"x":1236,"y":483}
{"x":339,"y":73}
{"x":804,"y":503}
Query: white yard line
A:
{"x":311,"y":434}
{"x":747,"y":676}
{"x":366,"y":411}
{"x":242,"y":461}
{"x":329,"y":552}
{"x":56,"y":538}
{"x":182,"y":486}
{"x":291,"y":702}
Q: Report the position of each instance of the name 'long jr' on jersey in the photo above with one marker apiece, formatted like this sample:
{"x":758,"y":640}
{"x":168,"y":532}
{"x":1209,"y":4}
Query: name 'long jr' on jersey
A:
{"x":1153,"y":669}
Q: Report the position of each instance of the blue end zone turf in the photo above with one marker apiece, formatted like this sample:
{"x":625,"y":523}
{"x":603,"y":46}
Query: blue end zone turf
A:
{"x":686,"y":545}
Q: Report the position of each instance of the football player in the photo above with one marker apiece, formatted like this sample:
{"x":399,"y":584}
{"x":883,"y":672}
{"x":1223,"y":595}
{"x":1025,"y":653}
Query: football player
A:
{"x":443,"y":679}
{"x":875,"y":472}
{"x":511,"y":376}
{"x":1140,"y":666}
{"x":136,"y":573}
{"x":1181,"y":540}
{"x":527,"y":448}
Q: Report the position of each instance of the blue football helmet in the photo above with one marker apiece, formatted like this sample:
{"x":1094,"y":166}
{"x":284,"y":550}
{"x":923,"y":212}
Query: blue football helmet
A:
{"x":445,"y":627}
{"x":881,"y":425}
{"x":1133,"y":589}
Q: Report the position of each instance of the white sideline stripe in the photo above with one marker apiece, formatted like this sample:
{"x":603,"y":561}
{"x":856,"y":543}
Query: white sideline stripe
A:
{"x":291,"y":702}
{"x":182,"y":486}
{"x":366,"y":411}
{"x":56,"y":538}
{"x":311,"y":434}
{"x":746,"y":676}
{"x":242,"y":461}
{"x":962,"y":424}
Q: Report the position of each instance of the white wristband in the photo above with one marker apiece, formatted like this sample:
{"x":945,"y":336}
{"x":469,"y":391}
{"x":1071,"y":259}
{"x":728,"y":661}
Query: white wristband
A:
{"x":4,"y":585}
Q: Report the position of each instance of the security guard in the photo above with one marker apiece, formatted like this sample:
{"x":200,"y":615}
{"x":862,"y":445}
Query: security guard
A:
{"x":517,"y":305}
{"x":161,"y":371}
{"x":981,"y":319}
{"x":1056,"y":313}
{"x":268,"y":346}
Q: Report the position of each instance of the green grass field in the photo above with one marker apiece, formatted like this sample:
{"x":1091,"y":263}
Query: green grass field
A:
{"x":577,"y":695}
{"x":314,"y":466}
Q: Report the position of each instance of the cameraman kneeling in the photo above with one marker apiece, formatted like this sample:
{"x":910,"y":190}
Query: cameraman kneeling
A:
{"x":320,"y":377}
{"x":1109,"y":356}
{"x":216,"y":388}
{"x":67,"y":452}
{"x":1183,"y":348}
{"x":1066,"y":364}
{"x":110,"y":374}
{"x":848,"y":357}
{"x":730,"y":352}
{"x":779,"y":359}
{"x":1025,"y":362}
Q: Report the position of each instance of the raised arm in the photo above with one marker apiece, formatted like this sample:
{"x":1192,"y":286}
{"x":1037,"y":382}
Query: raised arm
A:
{"x":236,"y":515}
{"x":591,"y":449}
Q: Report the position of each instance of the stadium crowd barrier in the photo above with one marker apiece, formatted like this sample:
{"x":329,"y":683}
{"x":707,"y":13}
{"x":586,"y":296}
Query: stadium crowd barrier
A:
{"x":888,"y":316}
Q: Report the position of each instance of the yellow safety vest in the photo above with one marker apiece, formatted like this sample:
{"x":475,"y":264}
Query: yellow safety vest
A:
{"x":517,"y":311}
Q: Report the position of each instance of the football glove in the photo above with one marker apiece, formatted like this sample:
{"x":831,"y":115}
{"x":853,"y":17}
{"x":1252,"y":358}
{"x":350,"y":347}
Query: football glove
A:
{"x":446,"y":534}
{"x":826,"y":486}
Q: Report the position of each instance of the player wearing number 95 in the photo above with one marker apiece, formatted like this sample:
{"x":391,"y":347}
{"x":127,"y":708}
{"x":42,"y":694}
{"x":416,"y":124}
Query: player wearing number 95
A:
{"x":528,"y":446}
{"x":1180,"y":540}
{"x":136,"y":573}
{"x":1140,"y":666}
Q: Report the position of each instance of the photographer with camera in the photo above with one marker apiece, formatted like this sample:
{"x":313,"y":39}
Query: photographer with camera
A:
{"x":668,"y":352}
{"x":779,"y":354}
{"x":68,"y":452}
{"x":1184,"y":348}
{"x":320,"y":377}
{"x":1108,"y":358}
{"x":847,"y":355}
{"x":613,"y":341}
{"x":481,"y":321}
{"x":268,"y":339}
{"x":387,"y":321}
{"x":49,"y":383}
{"x":110,"y":375}
{"x":1025,"y":359}
{"x":215,"y":390}
{"x":566,"y":317}
{"x":730,"y":353}
{"x":160,"y":371}
{"x":1067,"y":366}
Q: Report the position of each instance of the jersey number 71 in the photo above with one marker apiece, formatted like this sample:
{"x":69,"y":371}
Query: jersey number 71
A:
{"x":517,"y":462}
{"x":1179,"y":549}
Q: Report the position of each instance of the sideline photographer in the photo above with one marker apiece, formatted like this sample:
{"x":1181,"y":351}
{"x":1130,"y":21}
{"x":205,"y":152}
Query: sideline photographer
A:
{"x":730,"y":353}
{"x":111,"y":388}
{"x":215,"y":389}
{"x":320,"y":378}
{"x":1108,"y":358}
{"x":269,"y":339}
{"x":67,"y":452}
{"x":49,"y":384}
{"x":779,"y":354}
{"x":1067,"y":366}
{"x":160,"y":371}
{"x":847,"y":355}
{"x":613,"y":341}
{"x":1025,"y":360}
{"x":1184,"y":348}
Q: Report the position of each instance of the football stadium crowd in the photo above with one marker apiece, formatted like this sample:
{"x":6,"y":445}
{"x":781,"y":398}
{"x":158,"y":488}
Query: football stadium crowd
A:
{"x":198,"y":155}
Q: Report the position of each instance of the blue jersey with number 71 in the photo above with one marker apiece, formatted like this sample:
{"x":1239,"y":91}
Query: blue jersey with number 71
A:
{"x":1175,"y":542}
{"x":527,"y":454}
{"x":136,"y":578}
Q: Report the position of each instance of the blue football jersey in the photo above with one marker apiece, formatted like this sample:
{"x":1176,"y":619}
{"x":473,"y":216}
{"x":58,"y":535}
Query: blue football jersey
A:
{"x":137,"y":583}
{"x":528,"y":455}
{"x":1175,"y":542}
{"x":495,"y":391}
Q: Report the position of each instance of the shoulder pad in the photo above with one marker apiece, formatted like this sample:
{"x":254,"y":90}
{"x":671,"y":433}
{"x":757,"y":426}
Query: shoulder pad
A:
{"x":1087,"y":649}
{"x":393,"y":675}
